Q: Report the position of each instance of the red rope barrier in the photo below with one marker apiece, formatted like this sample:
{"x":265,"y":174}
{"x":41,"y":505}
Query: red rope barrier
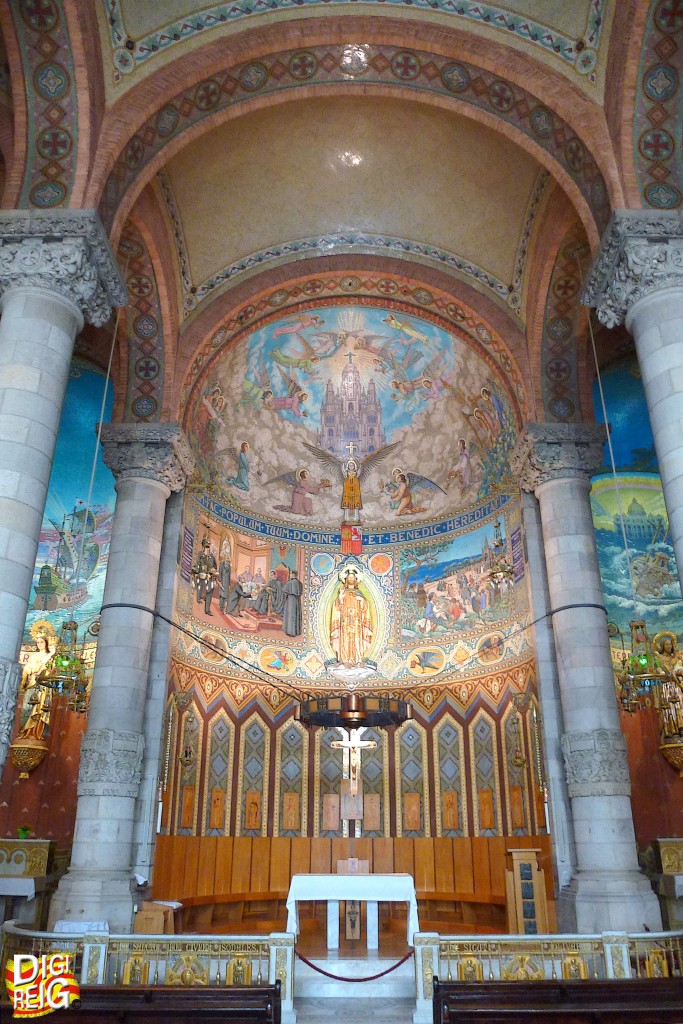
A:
{"x":373,"y":977}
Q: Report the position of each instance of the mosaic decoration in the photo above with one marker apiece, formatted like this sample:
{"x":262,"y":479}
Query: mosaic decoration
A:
{"x":73,"y":549}
{"x":145,"y":330}
{"x":399,"y":294}
{"x":52,"y":124}
{"x":485,"y":776}
{"x":449,"y":777}
{"x":348,"y":242}
{"x":218,"y":781}
{"x":375,"y":776}
{"x":254,"y":759}
{"x":515,"y":777}
{"x":189,"y":761}
{"x":561,"y":325}
{"x":636,"y":495}
{"x":360,"y":381}
{"x":329,"y":771}
{"x":659,"y":109}
{"x":386,"y":65}
{"x":412,"y":770}
{"x":291,"y":776}
{"x":578,"y":54}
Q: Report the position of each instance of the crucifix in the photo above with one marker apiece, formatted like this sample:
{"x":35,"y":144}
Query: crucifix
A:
{"x":354,"y":744}
{"x":351,"y":446}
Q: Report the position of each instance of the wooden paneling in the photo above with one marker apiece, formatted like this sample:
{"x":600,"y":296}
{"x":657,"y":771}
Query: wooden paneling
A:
{"x":480,"y":861}
{"x":341,"y":850}
{"x":191,"y":866}
{"x":497,"y":847}
{"x":321,"y":854}
{"x":301,"y":856}
{"x":383,"y":856}
{"x":223,"y":869}
{"x":207,"y":865}
{"x":487,"y":817}
{"x":178,"y":867}
{"x":403,"y":855}
{"x":187,"y":807}
{"x":280,"y":853}
{"x":444,"y":879}
{"x":260,"y":864}
{"x":424,"y":864}
{"x":217,"y":810}
{"x":362,"y":848}
{"x":463,"y":864}
{"x":163,"y":862}
{"x":241,"y":864}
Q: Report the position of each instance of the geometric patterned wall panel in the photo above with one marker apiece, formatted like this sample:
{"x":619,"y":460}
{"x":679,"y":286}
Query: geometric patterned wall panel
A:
{"x":220,"y":746}
{"x":485,"y":776}
{"x":449,"y":777}
{"x":516,"y":790}
{"x":291,"y":776}
{"x":254,"y":762}
{"x":375,"y":776}
{"x":329,"y":771}
{"x":187,"y":795}
{"x":412,"y":774}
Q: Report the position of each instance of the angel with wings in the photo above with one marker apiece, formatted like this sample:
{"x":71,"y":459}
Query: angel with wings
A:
{"x":351,"y":473}
{"x":253,"y":391}
{"x":292,"y":401}
{"x":401,"y":488}
{"x":302,"y":488}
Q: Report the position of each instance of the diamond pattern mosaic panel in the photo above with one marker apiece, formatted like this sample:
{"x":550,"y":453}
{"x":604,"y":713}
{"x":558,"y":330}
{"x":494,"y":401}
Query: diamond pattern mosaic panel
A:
{"x":331,"y":772}
{"x":412,"y":772}
{"x":189,"y":774}
{"x":253,"y":769}
{"x":291,"y":772}
{"x":218,"y":762}
{"x":372,"y":773}
{"x":486,"y":780}
{"x":516,"y":773}
{"x":450,"y":777}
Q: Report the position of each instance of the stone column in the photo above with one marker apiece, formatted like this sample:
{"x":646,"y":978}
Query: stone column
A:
{"x":149,"y":461}
{"x":561,"y":827}
{"x":637,"y":278}
{"x":56,"y":269}
{"x":146,"y":807}
{"x":555,"y":460}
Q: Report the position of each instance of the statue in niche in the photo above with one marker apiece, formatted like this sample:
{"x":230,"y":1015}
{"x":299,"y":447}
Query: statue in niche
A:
{"x":351,"y":632}
{"x":669,"y":696}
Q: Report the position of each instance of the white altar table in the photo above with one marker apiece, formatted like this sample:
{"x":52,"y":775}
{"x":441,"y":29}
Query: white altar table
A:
{"x":370,"y":889}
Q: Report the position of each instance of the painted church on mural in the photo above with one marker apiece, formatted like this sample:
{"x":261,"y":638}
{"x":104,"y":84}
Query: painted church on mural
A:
{"x":341,"y":476}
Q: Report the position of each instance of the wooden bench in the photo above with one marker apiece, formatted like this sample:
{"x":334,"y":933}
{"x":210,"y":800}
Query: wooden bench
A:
{"x":638,"y":1001}
{"x":137,"y":1004}
{"x":253,"y":911}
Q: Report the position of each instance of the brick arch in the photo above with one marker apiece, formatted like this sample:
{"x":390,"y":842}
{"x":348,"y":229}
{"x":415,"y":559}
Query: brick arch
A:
{"x":658,"y":111}
{"x":371,"y":280}
{"x":161,"y":126}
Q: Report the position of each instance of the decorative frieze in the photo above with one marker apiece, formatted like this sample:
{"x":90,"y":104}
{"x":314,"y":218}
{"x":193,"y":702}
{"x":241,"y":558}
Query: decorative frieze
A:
{"x":596,"y":763}
{"x":111,"y":763}
{"x":155,"y":451}
{"x":556,"y":451}
{"x":641,"y":253}
{"x":66,"y":252}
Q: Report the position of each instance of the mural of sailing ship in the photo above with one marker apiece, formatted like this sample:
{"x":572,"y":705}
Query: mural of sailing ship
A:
{"x":64,"y":583}
{"x":652,"y":571}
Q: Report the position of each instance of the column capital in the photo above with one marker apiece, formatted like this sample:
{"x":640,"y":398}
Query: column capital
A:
{"x":596,"y":763}
{"x":641,"y":253}
{"x":62,"y":251}
{"x":556,"y":451}
{"x":156,"y":451}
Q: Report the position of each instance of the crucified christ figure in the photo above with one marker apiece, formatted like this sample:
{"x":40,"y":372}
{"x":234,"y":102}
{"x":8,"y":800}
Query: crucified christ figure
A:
{"x":354,"y":744}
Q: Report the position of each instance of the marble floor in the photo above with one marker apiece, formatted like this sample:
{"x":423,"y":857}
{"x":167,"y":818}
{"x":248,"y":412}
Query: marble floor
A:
{"x":354,"y":1011}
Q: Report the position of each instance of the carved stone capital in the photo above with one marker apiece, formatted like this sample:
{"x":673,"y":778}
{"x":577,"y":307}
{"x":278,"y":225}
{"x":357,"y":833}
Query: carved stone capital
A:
{"x":596,"y":763}
{"x":641,"y":253}
{"x":63,"y":251}
{"x":111,"y":763}
{"x":557,"y":451}
{"x":10,"y":674}
{"x":157,"y":451}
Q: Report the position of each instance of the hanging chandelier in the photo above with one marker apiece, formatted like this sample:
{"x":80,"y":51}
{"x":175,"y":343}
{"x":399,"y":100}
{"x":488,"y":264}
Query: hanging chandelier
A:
{"x":65,"y":674}
{"x":353,"y":711}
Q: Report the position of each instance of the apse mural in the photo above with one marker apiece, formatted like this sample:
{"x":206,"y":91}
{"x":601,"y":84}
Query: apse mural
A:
{"x":68,"y":579}
{"x":336,"y":410}
{"x":650,"y":590}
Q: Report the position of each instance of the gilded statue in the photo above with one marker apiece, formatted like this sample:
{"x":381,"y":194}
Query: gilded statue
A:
{"x":669,"y":698}
{"x":351,"y":631}
{"x":40,"y":701}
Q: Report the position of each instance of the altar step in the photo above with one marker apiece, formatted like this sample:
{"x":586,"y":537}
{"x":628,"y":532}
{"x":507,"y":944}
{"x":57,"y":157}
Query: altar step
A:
{"x":338,"y":1011}
{"x":399,"y":984}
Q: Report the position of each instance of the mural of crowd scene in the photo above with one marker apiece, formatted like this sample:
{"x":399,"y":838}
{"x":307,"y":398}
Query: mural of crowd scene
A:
{"x":448,"y":588}
{"x":335,"y":409}
{"x":71,"y":564}
{"x":248,"y":584}
{"x":651,"y":590}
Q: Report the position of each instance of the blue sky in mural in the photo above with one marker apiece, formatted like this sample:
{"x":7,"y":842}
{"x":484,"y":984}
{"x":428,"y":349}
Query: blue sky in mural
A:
{"x":627,"y":414}
{"x":73,"y":549}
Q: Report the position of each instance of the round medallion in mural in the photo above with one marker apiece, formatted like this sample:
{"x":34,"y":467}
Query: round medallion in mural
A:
{"x":322,"y":563}
{"x":366,"y":414}
{"x":426,"y":661}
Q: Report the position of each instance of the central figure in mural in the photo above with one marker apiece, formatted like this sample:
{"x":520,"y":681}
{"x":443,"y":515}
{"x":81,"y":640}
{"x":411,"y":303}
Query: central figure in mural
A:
{"x":351,"y":632}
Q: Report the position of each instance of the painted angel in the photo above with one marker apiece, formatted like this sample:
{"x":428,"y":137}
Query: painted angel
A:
{"x":403,"y":486}
{"x":302,"y":489}
{"x":303,"y":360}
{"x":351,"y":473}
{"x":253,"y":392}
{"x":292,"y":401}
